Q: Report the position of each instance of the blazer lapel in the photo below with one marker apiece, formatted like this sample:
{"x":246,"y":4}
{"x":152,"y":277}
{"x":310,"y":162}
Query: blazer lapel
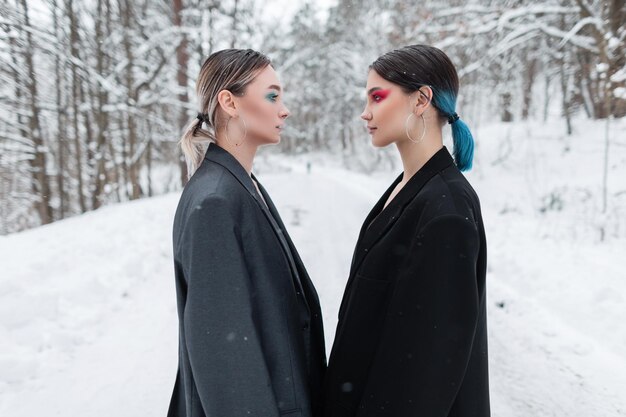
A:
{"x":372,"y":215}
{"x":380,"y":220}
{"x":222,"y":157}
{"x":281,"y":233}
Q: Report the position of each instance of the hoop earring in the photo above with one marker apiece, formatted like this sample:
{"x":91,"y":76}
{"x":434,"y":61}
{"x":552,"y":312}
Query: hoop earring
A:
{"x":406,"y":128}
{"x":245,"y":129}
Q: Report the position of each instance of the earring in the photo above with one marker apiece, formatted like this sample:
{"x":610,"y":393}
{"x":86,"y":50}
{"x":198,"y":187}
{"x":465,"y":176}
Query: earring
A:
{"x":245,"y":129}
{"x":406,"y":128}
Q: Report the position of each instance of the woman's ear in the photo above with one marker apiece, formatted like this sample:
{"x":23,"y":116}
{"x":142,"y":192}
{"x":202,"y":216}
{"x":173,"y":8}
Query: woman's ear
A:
{"x":227,"y":102}
{"x":424,"y":96}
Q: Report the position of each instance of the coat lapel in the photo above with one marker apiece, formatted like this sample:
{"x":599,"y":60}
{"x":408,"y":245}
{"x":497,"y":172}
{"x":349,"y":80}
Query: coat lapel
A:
{"x":290,"y":249}
{"x":222,"y":157}
{"x":380,"y":220}
{"x":371,"y":216}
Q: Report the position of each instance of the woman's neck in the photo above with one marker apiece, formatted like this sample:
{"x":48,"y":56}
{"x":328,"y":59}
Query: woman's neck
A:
{"x":415,"y":155}
{"x":243,"y":153}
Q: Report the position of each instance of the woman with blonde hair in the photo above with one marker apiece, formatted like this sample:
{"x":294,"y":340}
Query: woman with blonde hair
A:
{"x":250,"y":327}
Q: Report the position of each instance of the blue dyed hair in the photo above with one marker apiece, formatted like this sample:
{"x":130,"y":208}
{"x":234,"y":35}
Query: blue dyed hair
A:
{"x":445,"y":102}
{"x":415,"y":66}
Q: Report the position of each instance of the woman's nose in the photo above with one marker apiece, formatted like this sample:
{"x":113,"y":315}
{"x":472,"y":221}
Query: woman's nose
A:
{"x":366,"y":115}
{"x":285,"y":113}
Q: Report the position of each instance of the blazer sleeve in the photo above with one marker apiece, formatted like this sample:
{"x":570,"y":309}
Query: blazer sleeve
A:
{"x":430,"y":324}
{"x":225,"y":353}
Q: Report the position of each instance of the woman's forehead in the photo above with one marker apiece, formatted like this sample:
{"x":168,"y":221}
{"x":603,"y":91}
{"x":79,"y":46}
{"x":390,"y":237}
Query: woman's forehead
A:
{"x":375,"y":80}
{"x":266,"y":78}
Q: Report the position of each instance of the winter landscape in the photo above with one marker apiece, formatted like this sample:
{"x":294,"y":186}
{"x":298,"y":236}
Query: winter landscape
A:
{"x":88,"y":323}
{"x":89,"y":315}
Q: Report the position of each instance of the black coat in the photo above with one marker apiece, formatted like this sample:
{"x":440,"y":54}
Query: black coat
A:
{"x":251,"y":340}
{"x":412,"y":334}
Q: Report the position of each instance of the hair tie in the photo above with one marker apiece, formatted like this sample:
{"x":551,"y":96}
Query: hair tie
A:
{"x":201,"y":117}
{"x":453,"y":118}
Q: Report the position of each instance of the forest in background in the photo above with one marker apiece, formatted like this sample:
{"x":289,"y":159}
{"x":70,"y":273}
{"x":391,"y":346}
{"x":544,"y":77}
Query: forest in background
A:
{"x":94,"y":93}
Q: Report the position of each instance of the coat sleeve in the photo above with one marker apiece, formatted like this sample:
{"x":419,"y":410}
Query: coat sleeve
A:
{"x":225,"y":353}
{"x":430,"y":325}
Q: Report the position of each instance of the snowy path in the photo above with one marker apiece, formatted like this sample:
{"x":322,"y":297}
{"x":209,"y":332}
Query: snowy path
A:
{"x":88,"y":317}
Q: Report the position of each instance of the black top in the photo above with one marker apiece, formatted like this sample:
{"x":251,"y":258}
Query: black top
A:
{"x":251,"y":341}
{"x":412,"y":333}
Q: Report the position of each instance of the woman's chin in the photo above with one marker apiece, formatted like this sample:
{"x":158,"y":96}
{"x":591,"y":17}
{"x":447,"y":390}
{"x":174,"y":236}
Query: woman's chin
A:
{"x":378,"y":143}
{"x":269,"y":140}
{"x":275,"y":140}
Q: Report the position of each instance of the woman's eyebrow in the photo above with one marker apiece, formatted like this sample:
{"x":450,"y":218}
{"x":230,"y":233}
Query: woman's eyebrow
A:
{"x":371,"y":90}
{"x":274,"y":87}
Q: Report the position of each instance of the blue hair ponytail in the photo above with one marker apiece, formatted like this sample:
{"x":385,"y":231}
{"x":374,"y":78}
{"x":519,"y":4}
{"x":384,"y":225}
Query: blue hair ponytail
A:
{"x":463,"y":145}
{"x":462,"y":138}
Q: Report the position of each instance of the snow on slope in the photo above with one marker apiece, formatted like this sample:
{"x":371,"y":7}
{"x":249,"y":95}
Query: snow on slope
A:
{"x":88,"y":320}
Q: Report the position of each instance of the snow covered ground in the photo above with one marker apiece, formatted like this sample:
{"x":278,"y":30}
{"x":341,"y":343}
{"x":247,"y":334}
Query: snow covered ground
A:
{"x":88,"y":322}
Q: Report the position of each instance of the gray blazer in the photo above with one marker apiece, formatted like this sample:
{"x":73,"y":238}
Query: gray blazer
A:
{"x":251,"y":340}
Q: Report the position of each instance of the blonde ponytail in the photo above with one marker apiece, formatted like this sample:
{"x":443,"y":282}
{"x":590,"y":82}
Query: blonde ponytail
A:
{"x":194,"y":143}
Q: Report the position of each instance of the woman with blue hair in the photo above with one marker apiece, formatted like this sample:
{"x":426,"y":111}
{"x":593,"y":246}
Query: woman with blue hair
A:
{"x":412,"y":333}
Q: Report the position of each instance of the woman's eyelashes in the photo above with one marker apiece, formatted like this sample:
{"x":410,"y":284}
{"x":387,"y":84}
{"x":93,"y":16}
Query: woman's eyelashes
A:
{"x":272,"y":97}
{"x":379,"y":95}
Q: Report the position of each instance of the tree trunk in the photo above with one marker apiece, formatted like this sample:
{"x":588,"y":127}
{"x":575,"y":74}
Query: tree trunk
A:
{"x":182,"y":58}
{"x":505,"y":102}
{"x":235,"y":17}
{"x":529,"y":80}
{"x":131,"y":163}
{"x":75,"y":101}
{"x":40,"y":182}
{"x":101,"y":115}
{"x":59,"y":71}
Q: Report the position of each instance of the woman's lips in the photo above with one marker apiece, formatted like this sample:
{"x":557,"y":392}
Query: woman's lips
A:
{"x":371,"y":129}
